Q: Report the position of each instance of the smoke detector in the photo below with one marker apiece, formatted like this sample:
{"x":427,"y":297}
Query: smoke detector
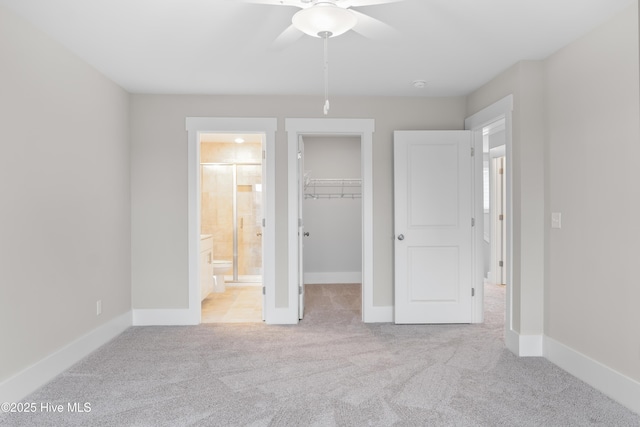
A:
{"x":419,"y":84}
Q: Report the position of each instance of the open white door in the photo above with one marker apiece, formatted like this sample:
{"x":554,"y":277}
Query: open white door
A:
{"x":433,"y":214}
{"x":300,"y":228}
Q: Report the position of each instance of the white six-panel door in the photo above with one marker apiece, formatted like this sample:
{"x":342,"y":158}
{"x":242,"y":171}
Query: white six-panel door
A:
{"x":433,"y":211}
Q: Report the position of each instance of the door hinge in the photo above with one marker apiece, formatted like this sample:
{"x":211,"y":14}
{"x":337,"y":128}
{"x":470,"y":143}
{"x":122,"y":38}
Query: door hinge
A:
{"x":473,"y":292}
{"x":264,"y":222}
{"x":501,"y":217}
{"x":299,"y":290}
{"x":500,"y":264}
{"x":264,"y":154}
{"x":473,"y":151}
{"x":473,"y":222}
{"x":264,"y":290}
{"x":501,"y":171}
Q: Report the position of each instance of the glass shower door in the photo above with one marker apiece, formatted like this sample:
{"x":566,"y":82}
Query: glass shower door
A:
{"x":217,"y":208}
{"x":248,"y":266}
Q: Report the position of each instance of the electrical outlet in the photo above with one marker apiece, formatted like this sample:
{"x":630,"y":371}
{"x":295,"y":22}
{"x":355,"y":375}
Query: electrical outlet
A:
{"x":98,"y":307}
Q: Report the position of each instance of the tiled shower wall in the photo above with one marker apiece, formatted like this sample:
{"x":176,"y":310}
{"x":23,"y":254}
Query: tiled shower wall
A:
{"x":217,"y":202}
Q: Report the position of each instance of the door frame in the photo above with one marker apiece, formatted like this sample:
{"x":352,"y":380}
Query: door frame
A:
{"x":501,"y":109}
{"x":497,"y":246}
{"x":300,"y":188}
{"x":363,"y":128}
{"x":267,"y":127}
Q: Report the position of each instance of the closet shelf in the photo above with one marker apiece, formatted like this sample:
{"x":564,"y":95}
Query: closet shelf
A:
{"x":325,"y":188}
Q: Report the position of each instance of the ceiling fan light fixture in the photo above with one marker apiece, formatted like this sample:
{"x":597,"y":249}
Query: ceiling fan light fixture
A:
{"x":324,"y":19}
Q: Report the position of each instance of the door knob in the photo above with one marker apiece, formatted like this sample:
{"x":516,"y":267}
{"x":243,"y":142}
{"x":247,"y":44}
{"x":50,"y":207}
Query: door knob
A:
{"x":306,"y":234}
{"x":258,"y":234}
{"x":401,"y":237}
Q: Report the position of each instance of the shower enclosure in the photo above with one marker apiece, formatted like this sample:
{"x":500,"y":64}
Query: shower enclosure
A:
{"x":231,"y":203}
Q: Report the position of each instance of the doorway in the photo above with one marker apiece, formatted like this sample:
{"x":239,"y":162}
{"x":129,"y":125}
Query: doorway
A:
{"x":231,"y":216}
{"x":495,"y":202}
{"x":264,"y":128}
{"x":495,"y":209}
{"x":496,"y":120}
{"x":332,"y":221}
{"x":362,"y":128}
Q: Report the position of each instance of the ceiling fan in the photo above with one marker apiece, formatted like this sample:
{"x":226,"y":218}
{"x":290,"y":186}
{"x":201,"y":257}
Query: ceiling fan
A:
{"x":329,"y":18}
{"x":326,"y":19}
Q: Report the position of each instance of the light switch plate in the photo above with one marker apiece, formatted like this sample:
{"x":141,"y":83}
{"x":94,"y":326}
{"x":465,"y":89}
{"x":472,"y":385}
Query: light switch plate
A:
{"x":556,"y":220}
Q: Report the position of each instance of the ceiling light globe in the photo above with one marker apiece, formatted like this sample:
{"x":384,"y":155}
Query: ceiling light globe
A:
{"x":324,"y":18}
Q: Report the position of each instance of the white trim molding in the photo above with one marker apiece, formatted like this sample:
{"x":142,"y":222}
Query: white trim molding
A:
{"x":617,"y":386}
{"x":530,"y":346}
{"x":25,"y":382}
{"x":501,"y":109}
{"x":379,"y":314}
{"x":524,"y":345}
{"x":316,"y":278}
{"x":355,"y":127}
{"x":195,"y":126}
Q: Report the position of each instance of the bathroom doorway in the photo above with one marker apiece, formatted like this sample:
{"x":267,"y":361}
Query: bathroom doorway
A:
{"x":231,"y":214}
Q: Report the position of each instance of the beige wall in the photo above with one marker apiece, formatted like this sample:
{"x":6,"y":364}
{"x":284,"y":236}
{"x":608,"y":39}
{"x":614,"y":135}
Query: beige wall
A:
{"x":593,"y":178}
{"x":334,"y":224}
{"x":575,"y":151}
{"x":525,"y":80}
{"x":64,"y":188}
{"x":159,"y":178}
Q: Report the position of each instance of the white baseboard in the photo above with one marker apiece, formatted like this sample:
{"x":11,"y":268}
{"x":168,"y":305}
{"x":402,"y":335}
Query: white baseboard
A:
{"x":378,"y":314}
{"x":282,"y":316}
{"x":30,"y":379}
{"x":161,"y":317}
{"x":617,"y":386}
{"x":333,"y":277}
{"x":524,"y":345}
{"x":512,"y":341}
{"x":531,"y":346}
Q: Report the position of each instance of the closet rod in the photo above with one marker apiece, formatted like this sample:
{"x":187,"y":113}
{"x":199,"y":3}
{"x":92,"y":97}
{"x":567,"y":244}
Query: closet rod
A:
{"x":333,"y":196}
{"x":332,"y":188}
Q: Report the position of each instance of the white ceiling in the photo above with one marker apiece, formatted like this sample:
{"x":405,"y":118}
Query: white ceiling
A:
{"x":226,"y":46}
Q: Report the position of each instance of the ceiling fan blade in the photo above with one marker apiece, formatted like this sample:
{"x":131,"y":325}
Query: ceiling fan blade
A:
{"x":362,"y":3}
{"x":373,"y":28}
{"x":289,"y":36}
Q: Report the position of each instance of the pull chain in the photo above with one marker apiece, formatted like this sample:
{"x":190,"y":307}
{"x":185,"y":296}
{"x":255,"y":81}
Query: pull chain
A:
{"x":325,"y":35}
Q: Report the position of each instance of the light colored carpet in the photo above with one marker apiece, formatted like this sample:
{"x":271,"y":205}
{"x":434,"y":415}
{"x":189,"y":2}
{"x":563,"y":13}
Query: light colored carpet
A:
{"x":330,"y":370}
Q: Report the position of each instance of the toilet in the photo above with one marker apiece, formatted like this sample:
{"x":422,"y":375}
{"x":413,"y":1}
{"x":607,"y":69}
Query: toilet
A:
{"x":220,"y":267}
